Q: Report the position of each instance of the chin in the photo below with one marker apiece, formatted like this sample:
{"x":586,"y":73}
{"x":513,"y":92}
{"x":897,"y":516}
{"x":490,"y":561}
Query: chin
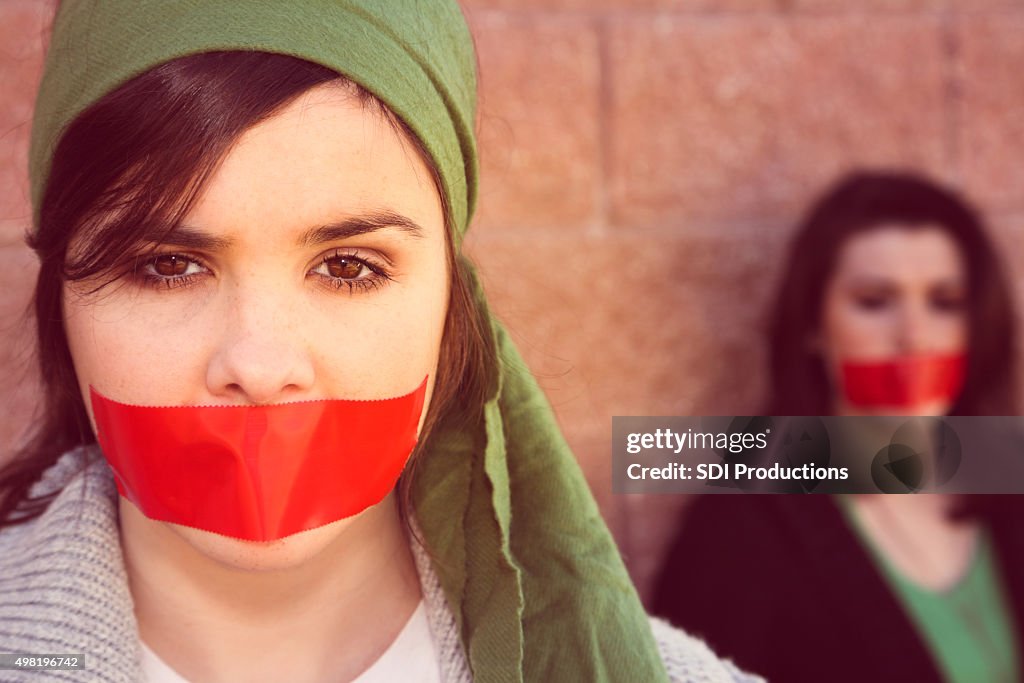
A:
{"x":262,"y":556}
{"x":937,"y":408}
{"x":930,"y":409}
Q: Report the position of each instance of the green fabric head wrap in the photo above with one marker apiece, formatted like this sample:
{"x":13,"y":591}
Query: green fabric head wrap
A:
{"x":529,"y":568}
{"x":416,"y":56}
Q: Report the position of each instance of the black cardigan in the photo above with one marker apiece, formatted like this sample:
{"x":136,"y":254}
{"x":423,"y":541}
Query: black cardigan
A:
{"x":782,"y":586}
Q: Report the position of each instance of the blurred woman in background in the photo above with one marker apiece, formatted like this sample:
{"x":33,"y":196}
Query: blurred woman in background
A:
{"x":893,"y":302}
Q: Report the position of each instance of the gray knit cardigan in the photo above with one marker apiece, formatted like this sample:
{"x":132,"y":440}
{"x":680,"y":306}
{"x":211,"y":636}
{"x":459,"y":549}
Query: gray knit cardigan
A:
{"x":63,"y":590}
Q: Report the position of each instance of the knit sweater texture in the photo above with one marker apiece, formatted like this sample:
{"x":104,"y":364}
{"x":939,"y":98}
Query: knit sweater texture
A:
{"x":64,"y":590}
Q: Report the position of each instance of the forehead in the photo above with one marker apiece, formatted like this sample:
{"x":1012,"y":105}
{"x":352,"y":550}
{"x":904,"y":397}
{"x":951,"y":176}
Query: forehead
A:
{"x":324,"y":156}
{"x":901,"y":253}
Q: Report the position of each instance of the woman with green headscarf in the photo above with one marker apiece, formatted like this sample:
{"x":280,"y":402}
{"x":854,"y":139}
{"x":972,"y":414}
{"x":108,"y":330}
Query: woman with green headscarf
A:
{"x":282,"y":438}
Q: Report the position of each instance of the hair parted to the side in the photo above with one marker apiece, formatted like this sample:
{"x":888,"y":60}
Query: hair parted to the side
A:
{"x":860,"y":202}
{"x":142,"y":154}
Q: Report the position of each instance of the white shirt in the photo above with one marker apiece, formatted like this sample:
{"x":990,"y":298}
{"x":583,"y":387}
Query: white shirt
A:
{"x":411,"y":657}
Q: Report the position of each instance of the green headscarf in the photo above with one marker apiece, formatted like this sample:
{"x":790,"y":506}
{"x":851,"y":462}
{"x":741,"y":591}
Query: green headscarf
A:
{"x":529,"y":568}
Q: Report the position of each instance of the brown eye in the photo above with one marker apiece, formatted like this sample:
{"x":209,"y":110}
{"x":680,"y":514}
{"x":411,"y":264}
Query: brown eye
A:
{"x":871,"y":302}
{"x":170,"y":265}
{"x":345,"y":268}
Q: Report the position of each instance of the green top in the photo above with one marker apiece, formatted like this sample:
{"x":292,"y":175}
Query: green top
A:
{"x":966,"y":628}
{"x":529,"y":568}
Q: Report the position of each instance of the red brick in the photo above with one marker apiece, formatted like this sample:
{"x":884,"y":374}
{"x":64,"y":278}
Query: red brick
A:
{"x":991,"y":112}
{"x":18,"y":378}
{"x":23,"y":35}
{"x":976,"y":6}
{"x":866,"y":6}
{"x":687,"y":6}
{"x":539,"y":109}
{"x":654,"y":325}
{"x":744,"y":118}
{"x":651,"y":324}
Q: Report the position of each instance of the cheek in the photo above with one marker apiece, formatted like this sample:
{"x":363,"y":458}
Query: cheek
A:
{"x":950,"y":332}
{"x":381,"y":347}
{"x":850,"y":332}
{"x":112,"y":351}
{"x":400,"y":340}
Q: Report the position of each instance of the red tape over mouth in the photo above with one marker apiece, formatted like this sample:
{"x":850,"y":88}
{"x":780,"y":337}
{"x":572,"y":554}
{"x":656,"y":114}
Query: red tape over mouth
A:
{"x":904,"y":382}
{"x":258,"y":473}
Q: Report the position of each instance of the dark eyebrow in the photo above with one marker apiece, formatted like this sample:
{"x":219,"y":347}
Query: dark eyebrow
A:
{"x":185,"y":237}
{"x":193,"y":238}
{"x":360,"y":225}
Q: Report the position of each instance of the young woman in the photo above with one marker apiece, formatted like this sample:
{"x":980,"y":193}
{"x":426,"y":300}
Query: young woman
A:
{"x":251,"y":305}
{"x":890,"y":275}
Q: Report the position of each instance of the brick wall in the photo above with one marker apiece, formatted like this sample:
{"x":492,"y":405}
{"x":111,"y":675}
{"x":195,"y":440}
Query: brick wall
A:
{"x":644,"y":162}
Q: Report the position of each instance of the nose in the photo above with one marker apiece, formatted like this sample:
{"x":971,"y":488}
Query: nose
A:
{"x":260,"y":356}
{"x":915,"y":333}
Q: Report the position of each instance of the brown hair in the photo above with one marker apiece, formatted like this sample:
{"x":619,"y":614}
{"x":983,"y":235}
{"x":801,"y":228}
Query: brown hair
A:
{"x":860,"y":202}
{"x":141,"y":154}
